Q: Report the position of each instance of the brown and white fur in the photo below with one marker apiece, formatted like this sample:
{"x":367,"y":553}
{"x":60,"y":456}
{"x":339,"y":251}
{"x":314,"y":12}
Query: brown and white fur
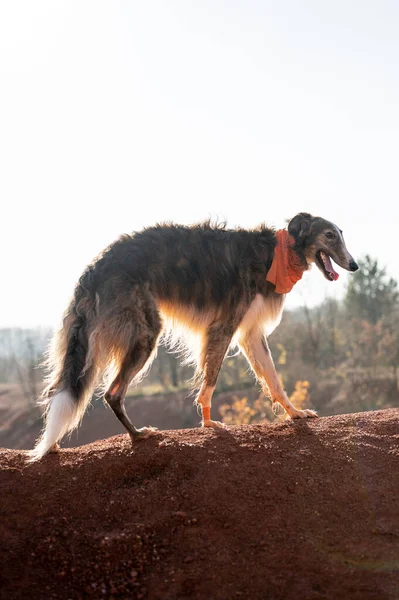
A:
{"x":204,"y":286}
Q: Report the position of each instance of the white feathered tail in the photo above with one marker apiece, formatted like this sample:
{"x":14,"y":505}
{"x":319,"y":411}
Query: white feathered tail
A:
{"x":72,"y":375}
{"x":62,"y":416}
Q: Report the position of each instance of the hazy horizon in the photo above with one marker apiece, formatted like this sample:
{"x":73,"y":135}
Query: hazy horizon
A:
{"x":117,"y":115}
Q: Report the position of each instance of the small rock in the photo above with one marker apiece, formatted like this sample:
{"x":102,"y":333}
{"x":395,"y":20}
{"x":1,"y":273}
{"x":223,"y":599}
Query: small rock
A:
{"x":179,"y":513}
{"x":188,"y":559}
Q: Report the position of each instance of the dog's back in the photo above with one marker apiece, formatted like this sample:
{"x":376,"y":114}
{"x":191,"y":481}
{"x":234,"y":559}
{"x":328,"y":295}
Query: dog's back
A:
{"x":197,"y":266}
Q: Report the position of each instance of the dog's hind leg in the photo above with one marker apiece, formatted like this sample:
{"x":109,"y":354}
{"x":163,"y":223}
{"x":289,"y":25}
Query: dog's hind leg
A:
{"x":133,"y":363}
{"x":255,"y":348}
{"x":135,"y":360}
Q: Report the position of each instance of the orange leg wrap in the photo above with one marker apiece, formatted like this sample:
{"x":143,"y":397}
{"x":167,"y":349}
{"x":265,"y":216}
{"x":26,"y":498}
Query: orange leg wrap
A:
{"x":206,"y":413}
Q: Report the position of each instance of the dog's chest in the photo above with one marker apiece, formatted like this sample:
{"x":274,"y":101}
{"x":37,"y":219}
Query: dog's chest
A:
{"x":263,"y":313}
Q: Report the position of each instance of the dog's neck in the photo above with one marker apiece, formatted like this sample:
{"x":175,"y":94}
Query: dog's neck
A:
{"x":287,"y":267}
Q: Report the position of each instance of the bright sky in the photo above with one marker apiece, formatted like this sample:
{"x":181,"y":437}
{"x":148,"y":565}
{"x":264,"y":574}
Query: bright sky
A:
{"x":115,"y":115}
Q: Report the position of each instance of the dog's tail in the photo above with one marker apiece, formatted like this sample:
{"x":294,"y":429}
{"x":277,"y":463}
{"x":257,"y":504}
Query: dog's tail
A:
{"x":73,"y":374}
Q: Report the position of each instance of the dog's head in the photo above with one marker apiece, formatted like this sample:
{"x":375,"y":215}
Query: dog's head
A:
{"x":319,"y":241}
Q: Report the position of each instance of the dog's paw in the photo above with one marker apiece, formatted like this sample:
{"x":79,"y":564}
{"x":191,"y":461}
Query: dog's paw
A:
{"x":55,"y":448}
{"x":215,"y":424}
{"x":304,"y":414}
{"x":145,"y":432}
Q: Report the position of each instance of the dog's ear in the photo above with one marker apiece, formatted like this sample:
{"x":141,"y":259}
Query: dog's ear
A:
{"x":299,"y":226}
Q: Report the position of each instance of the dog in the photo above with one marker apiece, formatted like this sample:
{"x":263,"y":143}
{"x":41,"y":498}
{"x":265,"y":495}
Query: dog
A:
{"x":206,"y":285}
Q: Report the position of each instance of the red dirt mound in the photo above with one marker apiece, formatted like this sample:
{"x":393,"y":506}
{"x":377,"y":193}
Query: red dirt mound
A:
{"x":304,"y":510}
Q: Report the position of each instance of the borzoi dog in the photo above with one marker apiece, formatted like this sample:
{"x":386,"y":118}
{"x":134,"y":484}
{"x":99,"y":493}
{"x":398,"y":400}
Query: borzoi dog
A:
{"x":209,"y":286}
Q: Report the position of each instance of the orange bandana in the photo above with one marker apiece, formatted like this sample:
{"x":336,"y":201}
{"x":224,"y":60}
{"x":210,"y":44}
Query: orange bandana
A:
{"x":285,"y":270}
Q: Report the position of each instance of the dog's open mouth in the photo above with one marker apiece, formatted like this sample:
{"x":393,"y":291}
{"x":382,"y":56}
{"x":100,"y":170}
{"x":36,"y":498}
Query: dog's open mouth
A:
{"x":325,"y":264}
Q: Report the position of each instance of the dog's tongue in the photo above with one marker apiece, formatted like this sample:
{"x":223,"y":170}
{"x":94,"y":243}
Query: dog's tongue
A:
{"x":328,"y":266}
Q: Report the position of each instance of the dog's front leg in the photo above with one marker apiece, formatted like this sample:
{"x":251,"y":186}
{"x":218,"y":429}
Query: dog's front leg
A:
{"x":256,"y":350}
{"x":216,"y":343}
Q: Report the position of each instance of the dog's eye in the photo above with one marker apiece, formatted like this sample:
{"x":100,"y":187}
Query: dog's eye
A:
{"x":329,"y":235}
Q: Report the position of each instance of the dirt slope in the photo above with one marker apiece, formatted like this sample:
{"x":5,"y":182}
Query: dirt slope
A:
{"x":300,"y":510}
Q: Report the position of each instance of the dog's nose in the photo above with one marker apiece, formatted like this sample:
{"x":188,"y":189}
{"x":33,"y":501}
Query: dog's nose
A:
{"x":353,"y":266}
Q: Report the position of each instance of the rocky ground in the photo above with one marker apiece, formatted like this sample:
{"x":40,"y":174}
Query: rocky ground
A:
{"x":304,"y":510}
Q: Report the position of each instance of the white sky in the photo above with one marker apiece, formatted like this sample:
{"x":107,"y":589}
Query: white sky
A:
{"x":115,"y":115}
